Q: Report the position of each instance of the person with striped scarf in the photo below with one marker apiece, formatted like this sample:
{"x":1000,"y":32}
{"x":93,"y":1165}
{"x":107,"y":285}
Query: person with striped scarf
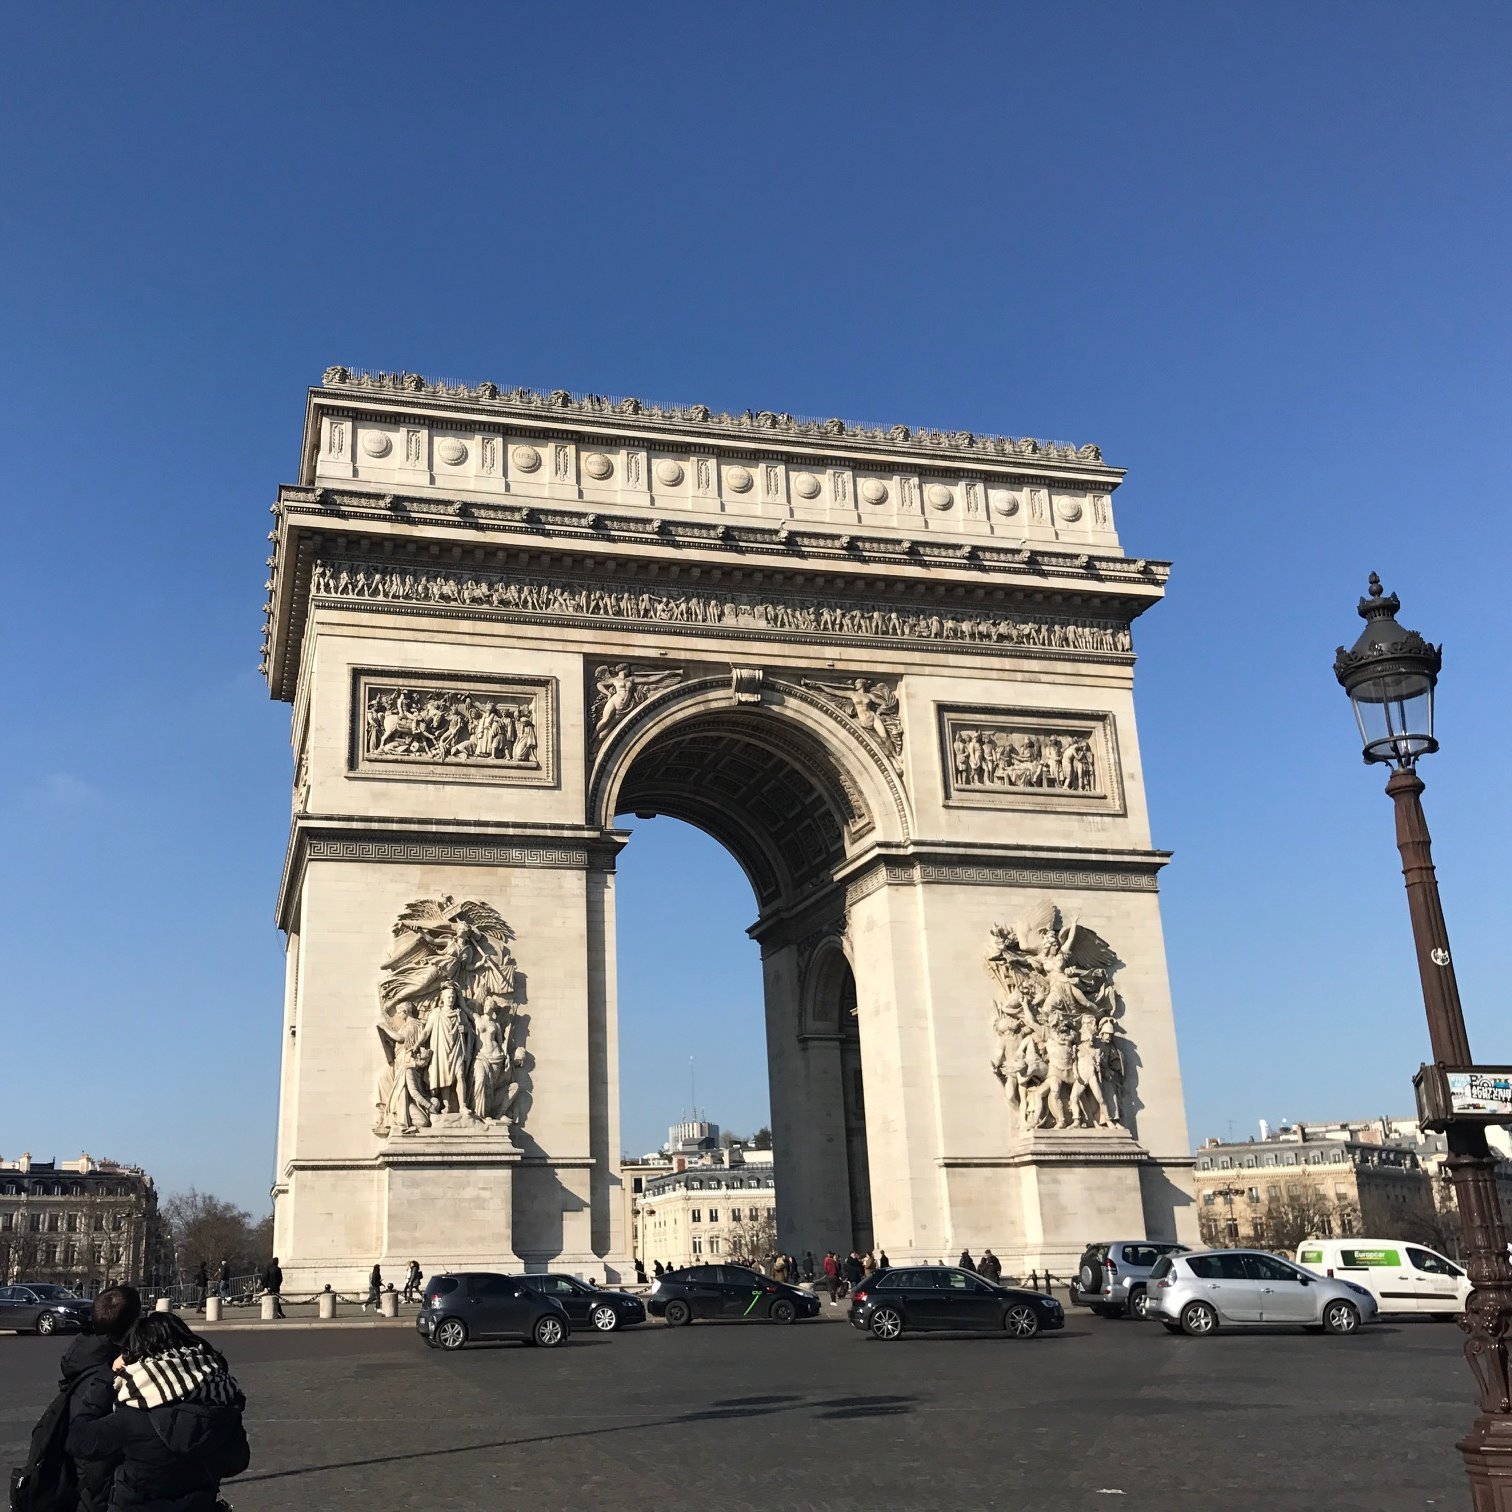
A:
{"x":177,"y":1423}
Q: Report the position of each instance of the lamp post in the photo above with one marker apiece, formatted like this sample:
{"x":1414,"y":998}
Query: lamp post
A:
{"x":1390,"y":674}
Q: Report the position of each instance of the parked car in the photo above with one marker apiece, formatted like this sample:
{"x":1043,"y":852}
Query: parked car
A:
{"x":1198,"y":1293}
{"x":1113,"y":1276}
{"x":921,"y":1298}
{"x":727,"y":1291}
{"x":42,"y":1308}
{"x":475,"y":1305}
{"x":591,"y":1306}
{"x":1402,"y":1277}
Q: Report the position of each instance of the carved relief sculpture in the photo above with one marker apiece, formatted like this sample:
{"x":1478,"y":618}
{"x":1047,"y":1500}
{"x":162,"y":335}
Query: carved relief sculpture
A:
{"x":1030,"y":758}
{"x":524,"y":597}
{"x":476,"y":728}
{"x":622,"y":688}
{"x":872,"y":707}
{"x":1056,"y":1022}
{"x":448,"y":1020}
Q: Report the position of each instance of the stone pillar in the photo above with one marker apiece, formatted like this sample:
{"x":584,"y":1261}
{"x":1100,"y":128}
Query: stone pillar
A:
{"x":388,"y":1303}
{"x":267,"y":1307}
{"x":212,"y":1309}
{"x":327,"y":1300}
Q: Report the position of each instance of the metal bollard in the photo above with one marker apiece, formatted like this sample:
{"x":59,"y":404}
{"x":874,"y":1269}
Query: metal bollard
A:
{"x":327,"y":1300}
{"x":212,"y":1309}
{"x":388,"y":1303}
{"x":267,"y":1307}
{"x":162,"y":1305}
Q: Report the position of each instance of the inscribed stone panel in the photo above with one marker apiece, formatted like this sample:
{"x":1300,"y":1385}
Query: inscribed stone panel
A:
{"x":1043,"y":759}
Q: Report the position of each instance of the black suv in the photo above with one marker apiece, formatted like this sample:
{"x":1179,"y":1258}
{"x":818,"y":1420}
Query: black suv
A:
{"x":476,"y":1305}
{"x":728,"y":1291}
{"x":943,"y":1298}
{"x":591,"y":1306}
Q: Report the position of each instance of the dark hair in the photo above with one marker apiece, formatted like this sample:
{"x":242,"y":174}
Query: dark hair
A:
{"x":156,"y":1333}
{"x":114,"y":1312}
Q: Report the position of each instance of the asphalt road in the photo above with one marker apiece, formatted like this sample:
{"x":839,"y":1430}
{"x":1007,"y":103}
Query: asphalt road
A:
{"x":722,"y":1417}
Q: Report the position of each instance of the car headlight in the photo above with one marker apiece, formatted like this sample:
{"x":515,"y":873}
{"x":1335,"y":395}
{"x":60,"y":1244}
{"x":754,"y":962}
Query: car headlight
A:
{"x":1359,"y":1291}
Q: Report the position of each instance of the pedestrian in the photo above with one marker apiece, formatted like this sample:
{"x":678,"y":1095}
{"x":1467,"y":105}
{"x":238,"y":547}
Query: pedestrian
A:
{"x":640,"y":1271}
{"x":375,"y":1285}
{"x":869,"y":1264}
{"x":176,"y":1430}
{"x":855,"y":1271}
{"x":656,"y":1269}
{"x":414,"y":1282}
{"x":224,"y":1289}
{"x":965,"y":1262}
{"x":990,"y":1268}
{"x":882,"y":1261}
{"x":272,"y":1285}
{"x":832,"y":1274}
{"x":780,"y":1268}
{"x":201,"y":1285}
{"x":89,"y":1380}
{"x":808,"y":1265}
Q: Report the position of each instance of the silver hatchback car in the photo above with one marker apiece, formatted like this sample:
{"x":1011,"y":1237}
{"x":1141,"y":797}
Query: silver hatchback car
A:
{"x":1199,"y":1293}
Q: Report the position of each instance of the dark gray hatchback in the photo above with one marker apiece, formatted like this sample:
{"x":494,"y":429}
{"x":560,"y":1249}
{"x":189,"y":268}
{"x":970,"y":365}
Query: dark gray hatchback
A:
{"x":472,"y":1306}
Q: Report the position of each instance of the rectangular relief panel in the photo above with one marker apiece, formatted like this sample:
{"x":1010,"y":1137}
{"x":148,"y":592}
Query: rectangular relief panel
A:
{"x":453,"y":727}
{"x":1050,"y":760}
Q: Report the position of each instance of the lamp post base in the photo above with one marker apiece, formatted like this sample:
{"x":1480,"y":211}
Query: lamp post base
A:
{"x":1487,"y":1449}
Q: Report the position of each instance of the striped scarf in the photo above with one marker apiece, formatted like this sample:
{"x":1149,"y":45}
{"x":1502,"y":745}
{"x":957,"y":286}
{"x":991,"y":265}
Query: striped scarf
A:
{"x":179,"y":1375}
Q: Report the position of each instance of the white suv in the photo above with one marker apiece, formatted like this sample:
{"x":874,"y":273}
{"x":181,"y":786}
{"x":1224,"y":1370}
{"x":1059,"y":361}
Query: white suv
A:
{"x":1113,"y":1275}
{"x":1199,"y":1293}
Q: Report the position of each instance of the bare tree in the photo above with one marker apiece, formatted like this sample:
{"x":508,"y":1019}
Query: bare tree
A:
{"x":1301,"y":1212}
{"x":207,"y":1230}
{"x":755,"y":1236}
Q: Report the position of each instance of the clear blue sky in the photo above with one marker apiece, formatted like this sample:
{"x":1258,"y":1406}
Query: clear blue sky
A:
{"x":1257,"y":252}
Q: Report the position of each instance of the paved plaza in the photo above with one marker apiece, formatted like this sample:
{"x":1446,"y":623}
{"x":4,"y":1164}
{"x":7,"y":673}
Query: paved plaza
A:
{"x":724,"y":1417}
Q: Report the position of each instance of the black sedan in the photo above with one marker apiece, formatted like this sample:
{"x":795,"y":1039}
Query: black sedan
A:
{"x":42,"y":1308}
{"x":590,"y":1306}
{"x":474,"y":1305}
{"x":941,"y":1298}
{"x":728,"y":1291}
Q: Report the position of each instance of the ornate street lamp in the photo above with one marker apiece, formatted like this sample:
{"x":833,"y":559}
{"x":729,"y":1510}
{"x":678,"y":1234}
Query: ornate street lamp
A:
{"x":1389,"y":674}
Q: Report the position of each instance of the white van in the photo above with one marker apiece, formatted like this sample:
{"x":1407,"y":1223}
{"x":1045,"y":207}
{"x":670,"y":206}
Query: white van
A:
{"x":1402,"y":1277}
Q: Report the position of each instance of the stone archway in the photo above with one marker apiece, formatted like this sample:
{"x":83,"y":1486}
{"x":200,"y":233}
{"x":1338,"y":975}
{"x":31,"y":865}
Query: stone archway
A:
{"x":890,"y":671}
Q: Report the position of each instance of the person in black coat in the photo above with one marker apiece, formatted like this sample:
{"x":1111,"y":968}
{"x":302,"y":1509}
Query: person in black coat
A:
{"x":272,"y":1284}
{"x":202,"y":1284}
{"x":966,"y":1263}
{"x":176,"y":1430}
{"x":855,"y":1269}
{"x":90,"y":1382}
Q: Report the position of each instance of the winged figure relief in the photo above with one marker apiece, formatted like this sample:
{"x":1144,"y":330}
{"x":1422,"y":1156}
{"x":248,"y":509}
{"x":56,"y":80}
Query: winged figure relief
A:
{"x":1055,"y":1020}
{"x":447,"y":996}
{"x":621,"y":688}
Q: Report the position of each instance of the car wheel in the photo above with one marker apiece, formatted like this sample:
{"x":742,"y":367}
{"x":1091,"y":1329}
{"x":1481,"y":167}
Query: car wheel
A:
{"x":782,"y":1311}
{"x":886,"y":1323}
{"x":548,"y":1332}
{"x":47,"y":1324}
{"x":1198,"y":1320}
{"x":1139,"y":1304}
{"x":1341,"y":1317}
{"x":1021,"y":1321}
{"x":678,"y":1312}
{"x":450,"y":1333}
{"x":605,"y":1319}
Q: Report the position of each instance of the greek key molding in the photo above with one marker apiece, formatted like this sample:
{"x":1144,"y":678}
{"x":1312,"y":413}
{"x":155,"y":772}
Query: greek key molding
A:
{"x":443,"y":852}
{"x":1137,"y":876}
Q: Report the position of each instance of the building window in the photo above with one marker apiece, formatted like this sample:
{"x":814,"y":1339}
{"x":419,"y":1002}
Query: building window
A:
{"x":713,"y":1215}
{"x":6,"y":1220}
{"x":1254,"y":1194}
{"x":1208,"y":1198}
{"x":698,"y":1246}
{"x":36,"y":1223}
{"x":1273,"y":1190}
{"x":99,"y":1223}
{"x":734,"y":1215}
{"x":696,"y":1216}
{"x":73,"y":1223}
{"x":713,"y":1246}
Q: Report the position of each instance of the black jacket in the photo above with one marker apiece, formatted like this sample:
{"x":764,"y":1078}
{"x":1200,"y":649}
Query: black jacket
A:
{"x":854,"y":1270}
{"x":272,"y":1279}
{"x":171,"y":1459}
{"x":87,"y":1375}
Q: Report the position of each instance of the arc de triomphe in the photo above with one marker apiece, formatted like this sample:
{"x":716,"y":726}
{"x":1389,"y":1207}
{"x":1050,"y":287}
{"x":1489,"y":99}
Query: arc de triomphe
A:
{"x":890,"y":670}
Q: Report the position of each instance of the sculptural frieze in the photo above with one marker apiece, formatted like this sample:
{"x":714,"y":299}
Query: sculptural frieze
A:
{"x":622,"y":687}
{"x":872,"y":706}
{"x":526,"y":597}
{"x":1027,"y":758}
{"x":449,"y":1021}
{"x":1056,"y":1022}
{"x":473,"y":727}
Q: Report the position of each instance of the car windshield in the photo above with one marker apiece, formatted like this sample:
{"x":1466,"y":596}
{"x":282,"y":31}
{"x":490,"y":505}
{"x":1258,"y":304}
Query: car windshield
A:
{"x":55,"y":1293}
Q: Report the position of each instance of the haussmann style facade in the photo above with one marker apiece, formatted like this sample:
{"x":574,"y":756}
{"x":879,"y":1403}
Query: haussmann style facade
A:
{"x":891,"y":671}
